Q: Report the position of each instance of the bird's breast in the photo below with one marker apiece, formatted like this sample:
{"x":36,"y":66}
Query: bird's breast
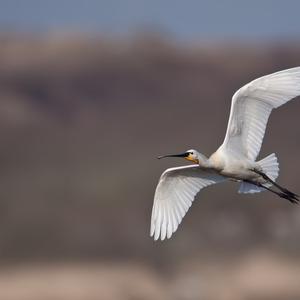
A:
{"x":232,"y":166}
{"x":217,"y":161}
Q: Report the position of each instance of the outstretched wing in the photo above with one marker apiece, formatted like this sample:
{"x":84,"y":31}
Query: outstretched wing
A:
{"x":174,"y":195}
{"x":251,"y":107}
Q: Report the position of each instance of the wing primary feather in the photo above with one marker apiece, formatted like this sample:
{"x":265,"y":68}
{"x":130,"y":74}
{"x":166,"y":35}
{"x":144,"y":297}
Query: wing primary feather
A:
{"x":164,"y":224}
{"x":174,"y":195}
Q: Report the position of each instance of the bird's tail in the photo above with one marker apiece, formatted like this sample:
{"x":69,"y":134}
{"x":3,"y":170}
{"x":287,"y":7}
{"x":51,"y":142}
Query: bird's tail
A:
{"x":269,"y":167}
{"x":270,"y":173}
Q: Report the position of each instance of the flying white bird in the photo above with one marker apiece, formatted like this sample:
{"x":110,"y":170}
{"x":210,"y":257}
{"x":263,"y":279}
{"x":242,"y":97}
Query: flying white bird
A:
{"x":236,"y":157}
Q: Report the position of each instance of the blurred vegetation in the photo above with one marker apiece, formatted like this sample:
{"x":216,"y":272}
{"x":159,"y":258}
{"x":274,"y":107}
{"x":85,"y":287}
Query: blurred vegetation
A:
{"x":81,"y":122}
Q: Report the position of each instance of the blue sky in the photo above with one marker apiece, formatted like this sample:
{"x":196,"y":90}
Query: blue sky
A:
{"x":187,"y":19}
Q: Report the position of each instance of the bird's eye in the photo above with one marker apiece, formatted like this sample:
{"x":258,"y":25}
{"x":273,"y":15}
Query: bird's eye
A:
{"x":192,"y":153}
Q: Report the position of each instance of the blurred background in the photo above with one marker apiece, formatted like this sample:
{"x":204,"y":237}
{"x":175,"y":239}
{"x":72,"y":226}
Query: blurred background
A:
{"x":90,"y":93}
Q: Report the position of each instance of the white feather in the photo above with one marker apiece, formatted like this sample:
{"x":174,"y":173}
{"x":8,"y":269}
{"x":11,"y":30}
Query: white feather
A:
{"x":251,"y":107}
{"x":174,"y":195}
{"x":270,"y":167}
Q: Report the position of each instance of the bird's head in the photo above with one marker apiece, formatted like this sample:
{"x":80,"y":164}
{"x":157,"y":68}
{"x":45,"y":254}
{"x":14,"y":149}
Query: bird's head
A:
{"x":191,"y":155}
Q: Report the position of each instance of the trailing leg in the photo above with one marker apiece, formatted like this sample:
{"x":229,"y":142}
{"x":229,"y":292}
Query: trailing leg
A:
{"x":284,"y":190}
{"x":291,"y":198}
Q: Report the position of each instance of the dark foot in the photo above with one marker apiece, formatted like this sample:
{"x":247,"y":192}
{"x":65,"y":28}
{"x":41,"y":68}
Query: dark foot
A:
{"x":291,"y":198}
{"x":284,"y":191}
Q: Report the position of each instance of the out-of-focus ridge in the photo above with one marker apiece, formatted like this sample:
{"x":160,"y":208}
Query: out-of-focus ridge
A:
{"x":81,"y":122}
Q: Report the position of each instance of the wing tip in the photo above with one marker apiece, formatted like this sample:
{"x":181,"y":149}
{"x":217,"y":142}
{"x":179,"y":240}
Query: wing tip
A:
{"x":156,"y":234}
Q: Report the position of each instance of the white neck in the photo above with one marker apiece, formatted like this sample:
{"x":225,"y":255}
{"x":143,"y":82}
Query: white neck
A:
{"x":203,"y":160}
